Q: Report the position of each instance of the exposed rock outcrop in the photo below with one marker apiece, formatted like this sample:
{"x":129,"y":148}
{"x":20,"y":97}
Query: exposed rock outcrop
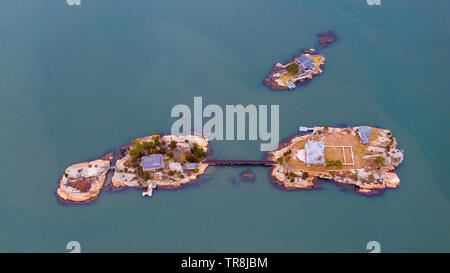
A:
{"x":82,"y":182}
{"x":370,"y":168}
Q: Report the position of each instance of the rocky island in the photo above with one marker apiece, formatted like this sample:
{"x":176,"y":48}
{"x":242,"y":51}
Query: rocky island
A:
{"x":326,"y":38}
{"x":82,"y":182}
{"x":167,"y":161}
{"x":301,"y":68}
{"x":363,"y":157}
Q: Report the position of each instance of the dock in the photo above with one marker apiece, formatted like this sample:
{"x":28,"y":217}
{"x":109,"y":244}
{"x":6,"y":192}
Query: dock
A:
{"x":149,"y":191}
{"x":305,"y":129}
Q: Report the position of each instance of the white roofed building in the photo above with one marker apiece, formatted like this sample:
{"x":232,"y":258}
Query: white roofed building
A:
{"x":314,"y":151}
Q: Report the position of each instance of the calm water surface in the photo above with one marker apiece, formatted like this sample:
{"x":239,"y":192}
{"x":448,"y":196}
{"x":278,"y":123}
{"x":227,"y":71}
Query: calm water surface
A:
{"x":76,"y":81}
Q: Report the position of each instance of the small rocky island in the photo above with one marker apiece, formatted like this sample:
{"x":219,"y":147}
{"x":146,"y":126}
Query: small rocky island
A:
{"x":363,"y":157}
{"x":168,"y":162}
{"x":301,"y":68}
{"x":82,"y":182}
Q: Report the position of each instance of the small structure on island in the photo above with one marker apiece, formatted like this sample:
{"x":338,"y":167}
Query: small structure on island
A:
{"x":306,"y":62}
{"x":304,"y":129}
{"x":191,"y":166}
{"x":303,"y":76}
{"x":314,"y":151}
{"x":291,"y":85}
{"x":364,"y":134}
{"x":175,"y":166}
{"x":152,"y":162}
{"x":150,"y":187}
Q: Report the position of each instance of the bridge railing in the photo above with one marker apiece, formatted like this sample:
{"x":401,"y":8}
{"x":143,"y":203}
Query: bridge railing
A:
{"x":239,"y":162}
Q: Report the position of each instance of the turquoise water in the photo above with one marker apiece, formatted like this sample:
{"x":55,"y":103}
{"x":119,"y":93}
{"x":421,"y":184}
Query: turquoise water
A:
{"x":77,"y":81}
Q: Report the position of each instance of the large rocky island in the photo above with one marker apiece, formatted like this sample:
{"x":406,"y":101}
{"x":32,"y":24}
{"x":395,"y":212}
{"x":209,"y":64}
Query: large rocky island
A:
{"x":363,"y":157}
{"x":167,"y":161}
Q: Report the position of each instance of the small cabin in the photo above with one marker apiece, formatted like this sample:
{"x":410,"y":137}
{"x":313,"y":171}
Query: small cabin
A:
{"x":191,"y":166}
{"x":291,"y":85}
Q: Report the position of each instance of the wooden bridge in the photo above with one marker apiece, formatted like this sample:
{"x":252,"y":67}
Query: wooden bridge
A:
{"x":216,"y":162}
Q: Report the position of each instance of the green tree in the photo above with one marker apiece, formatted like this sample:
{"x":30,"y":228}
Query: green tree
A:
{"x":200,"y":152}
{"x":305,"y":175}
{"x":331,"y":163}
{"x":173,"y":144}
{"x":292,"y":68}
{"x":379,"y":161}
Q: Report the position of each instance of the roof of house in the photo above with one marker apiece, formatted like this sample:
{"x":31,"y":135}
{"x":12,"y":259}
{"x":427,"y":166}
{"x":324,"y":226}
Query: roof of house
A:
{"x":315,"y":152}
{"x":152,"y":162}
{"x":305,"y":61}
{"x":303,"y":76}
{"x":291,"y":85}
{"x":364,"y":134}
{"x":312,"y":67}
{"x":191,"y":166}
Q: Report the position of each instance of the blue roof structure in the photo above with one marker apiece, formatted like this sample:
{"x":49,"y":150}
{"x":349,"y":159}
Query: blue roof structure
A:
{"x":311,"y":68}
{"x":303,"y":76}
{"x":364,"y":134}
{"x":315,"y":153}
{"x":305,"y":61}
{"x":152,"y":162}
{"x":190,"y":166}
{"x":291,"y":85}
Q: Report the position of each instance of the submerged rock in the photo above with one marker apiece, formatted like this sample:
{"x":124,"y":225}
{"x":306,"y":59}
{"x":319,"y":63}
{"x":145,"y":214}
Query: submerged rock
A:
{"x":247,"y":175}
{"x":326,"y":38}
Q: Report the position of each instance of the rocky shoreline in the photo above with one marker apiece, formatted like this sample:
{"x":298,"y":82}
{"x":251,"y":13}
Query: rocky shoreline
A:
{"x":301,"y":68}
{"x":347,"y":156}
{"x":82,"y":182}
{"x":278,"y":75}
{"x":364,"y":176}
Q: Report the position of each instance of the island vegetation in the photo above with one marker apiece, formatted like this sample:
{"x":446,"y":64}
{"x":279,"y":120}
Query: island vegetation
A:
{"x":301,"y":68}
{"x":168,"y":161}
{"x":344,"y":155}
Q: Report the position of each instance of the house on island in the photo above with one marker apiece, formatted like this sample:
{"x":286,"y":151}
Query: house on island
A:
{"x":302,"y":76}
{"x":315,"y":153}
{"x":307,"y":63}
{"x":364,"y":134}
{"x":152,"y":162}
{"x":191,"y":166}
{"x":291,"y":85}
